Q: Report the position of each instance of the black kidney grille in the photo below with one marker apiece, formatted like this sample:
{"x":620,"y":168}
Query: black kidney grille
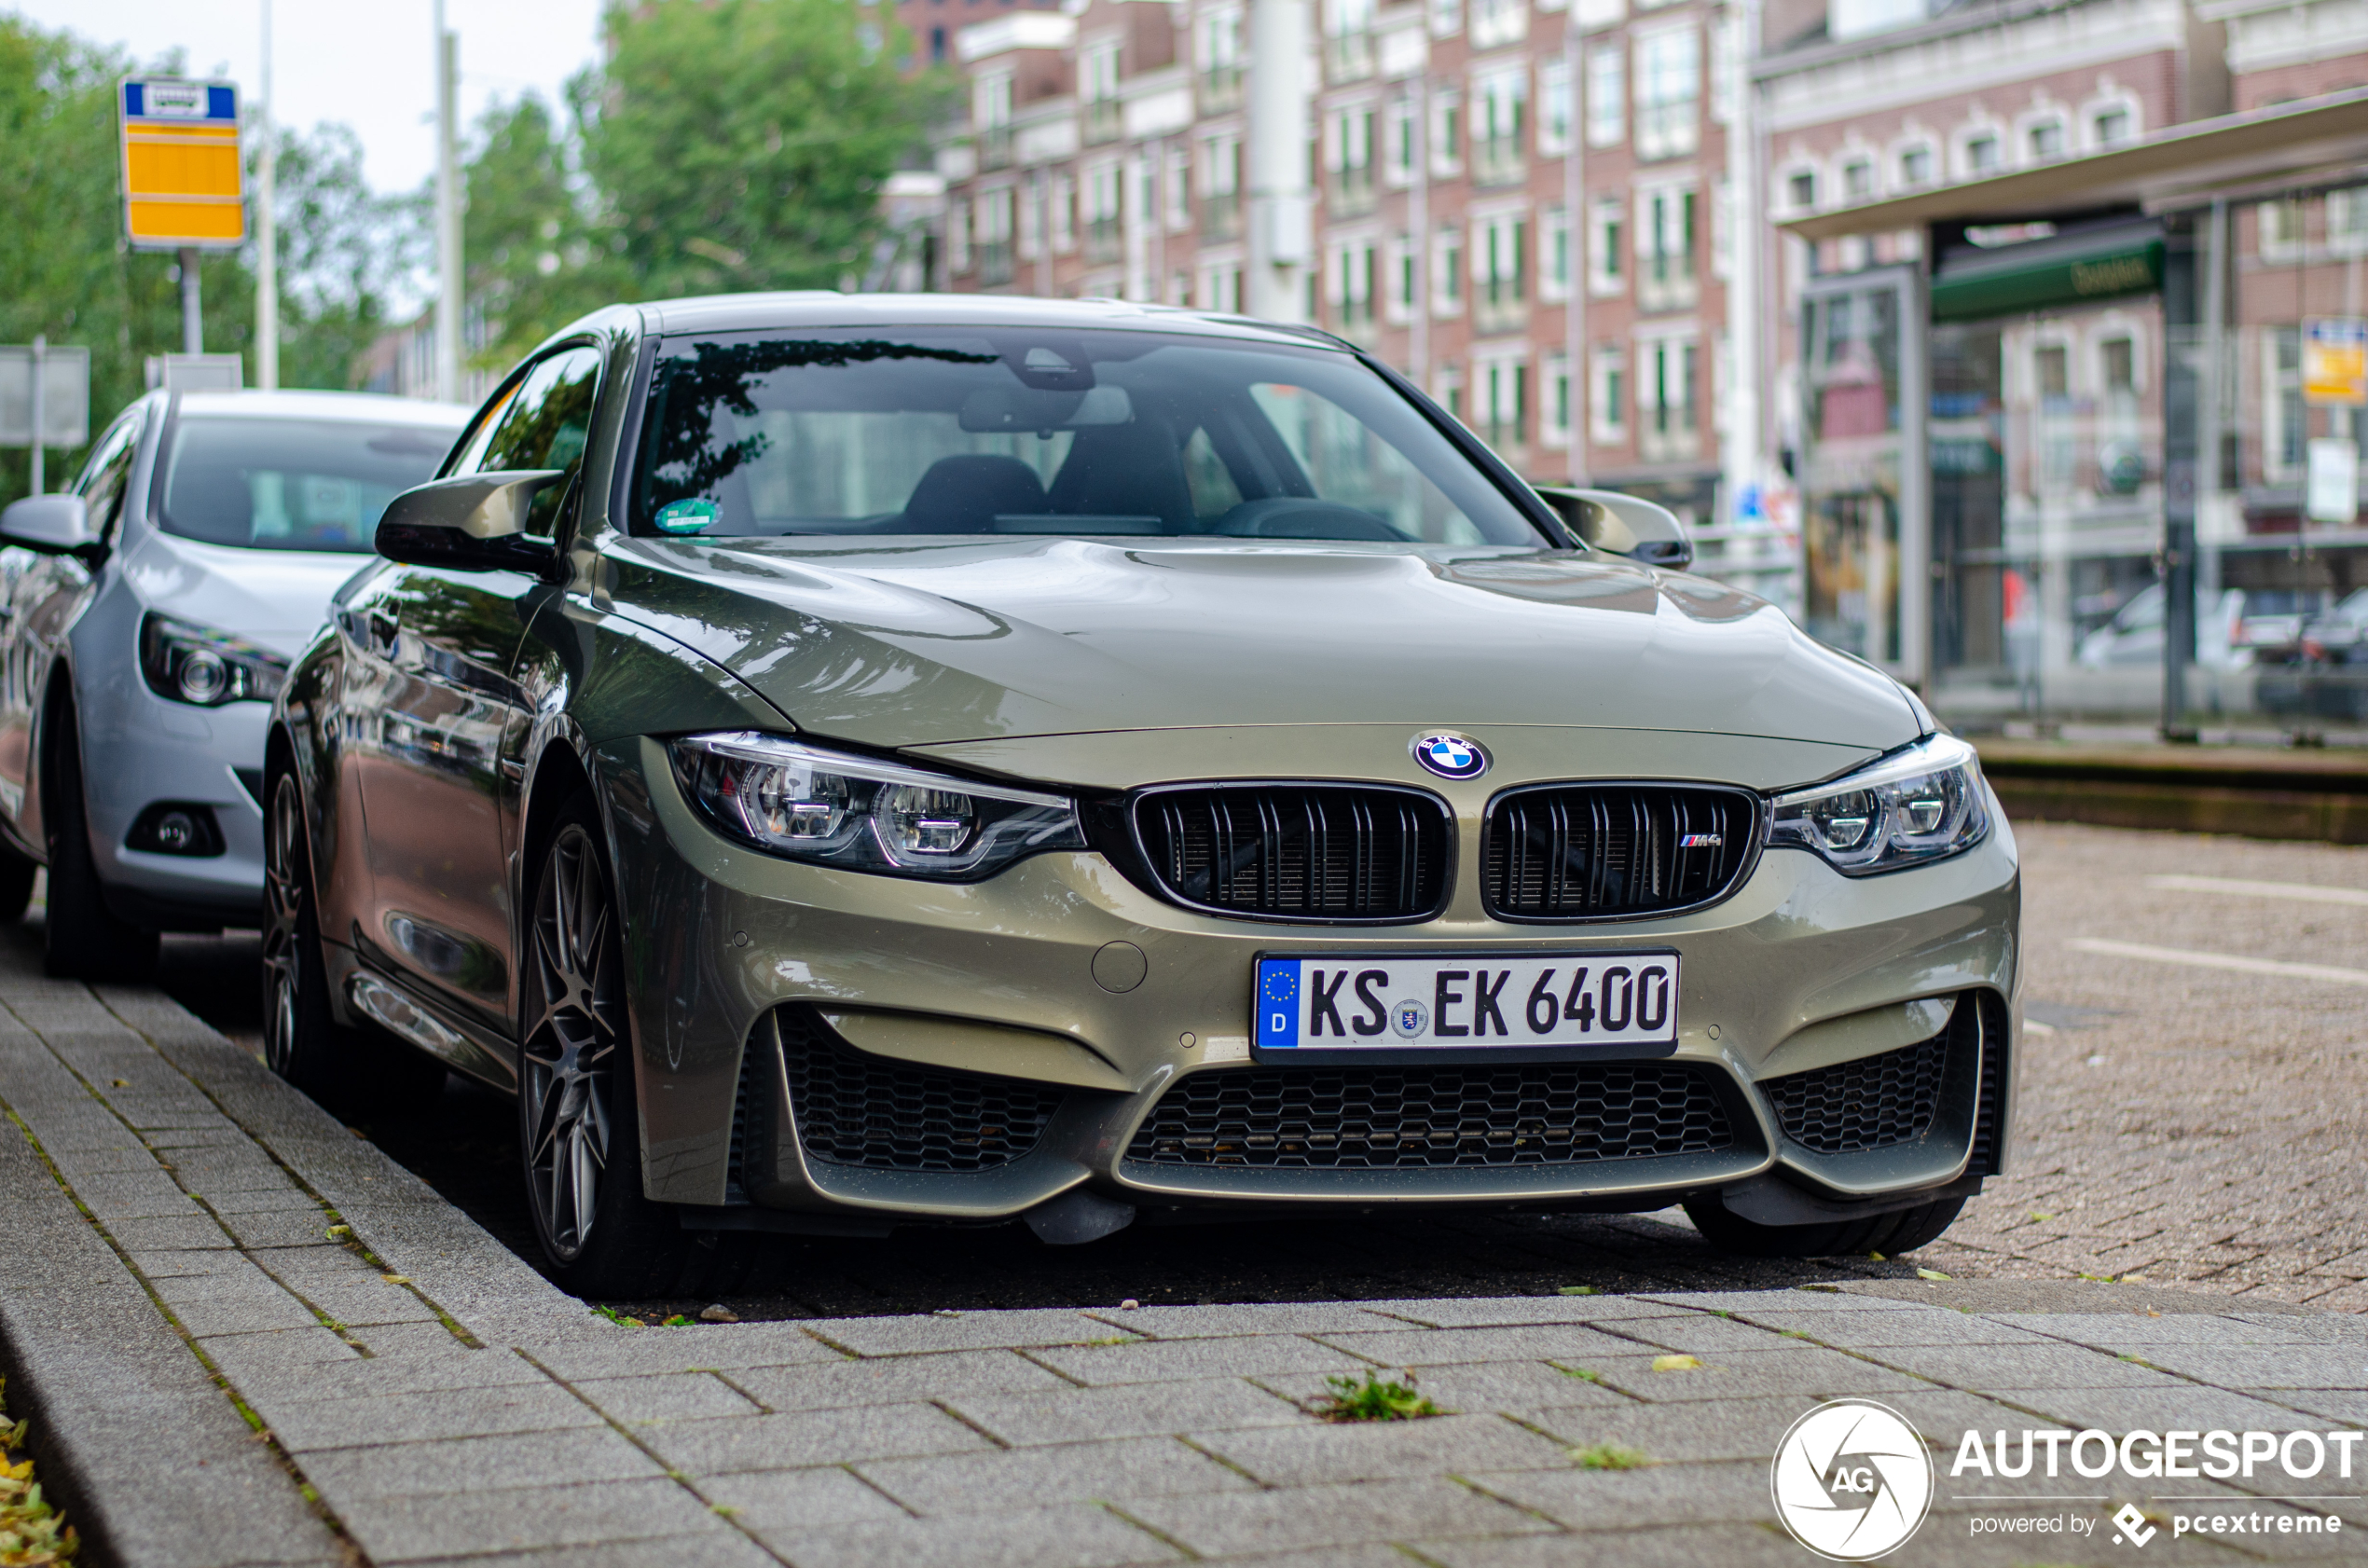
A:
{"x":1299,"y":852}
{"x":890,"y":1116}
{"x":1382,"y":1119}
{"x":1606,"y":851}
{"x":1872,"y":1103}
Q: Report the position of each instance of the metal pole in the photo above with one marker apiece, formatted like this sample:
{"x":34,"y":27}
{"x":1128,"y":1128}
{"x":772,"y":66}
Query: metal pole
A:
{"x":1742,"y":465}
{"x":2181,"y":419}
{"x":2213,"y":411}
{"x":192,"y":314}
{"x":266,"y":233}
{"x":1574,"y":238}
{"x":1279,"y":241}
{"x":447,"y":214}
{"x":1418,"y":220}
{"x":40,"y":412}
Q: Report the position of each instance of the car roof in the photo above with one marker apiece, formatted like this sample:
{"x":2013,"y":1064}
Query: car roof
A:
{"x":373,"y":408}
{"x":822,"y":307}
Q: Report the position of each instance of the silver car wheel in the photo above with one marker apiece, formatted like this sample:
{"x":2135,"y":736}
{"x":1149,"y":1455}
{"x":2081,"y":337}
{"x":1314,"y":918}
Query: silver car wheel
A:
{"x":284,"y":894}
{"x":571,"y":1046}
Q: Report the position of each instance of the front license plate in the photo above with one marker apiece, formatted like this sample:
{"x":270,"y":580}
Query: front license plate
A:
{"x":1466,"y":1003}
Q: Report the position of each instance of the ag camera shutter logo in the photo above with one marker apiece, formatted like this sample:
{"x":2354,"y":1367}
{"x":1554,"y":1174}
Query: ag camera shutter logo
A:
{"x":1852,"y":1481}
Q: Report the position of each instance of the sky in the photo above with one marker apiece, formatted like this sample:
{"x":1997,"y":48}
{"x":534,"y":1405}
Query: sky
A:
{"x":370,"y":64}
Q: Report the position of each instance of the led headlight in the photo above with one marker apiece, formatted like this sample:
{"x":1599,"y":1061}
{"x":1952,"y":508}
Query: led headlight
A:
{"x":1921,"y":802}
{"x":865,"y":814}
{"x":185,"y":663}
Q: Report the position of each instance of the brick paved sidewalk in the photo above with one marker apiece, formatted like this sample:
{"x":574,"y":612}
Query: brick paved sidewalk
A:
{"x":220,"y":1375}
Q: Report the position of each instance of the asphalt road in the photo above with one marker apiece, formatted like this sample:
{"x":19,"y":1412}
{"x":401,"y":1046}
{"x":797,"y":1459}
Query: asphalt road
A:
{"x":2193,"y":1101}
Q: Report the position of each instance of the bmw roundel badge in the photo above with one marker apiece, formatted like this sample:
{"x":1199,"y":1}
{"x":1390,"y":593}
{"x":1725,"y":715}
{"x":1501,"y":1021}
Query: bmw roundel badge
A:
{"x":1450,"y":756}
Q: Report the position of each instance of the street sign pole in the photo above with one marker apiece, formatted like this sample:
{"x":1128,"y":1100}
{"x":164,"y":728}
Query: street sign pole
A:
{"x":40,"y":413}
{"x":183,"y":189}
{"x":192,"y":308}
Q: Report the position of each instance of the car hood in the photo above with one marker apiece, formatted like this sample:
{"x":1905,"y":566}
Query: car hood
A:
{"x":911,"y":642}
{"x":276,"y":599}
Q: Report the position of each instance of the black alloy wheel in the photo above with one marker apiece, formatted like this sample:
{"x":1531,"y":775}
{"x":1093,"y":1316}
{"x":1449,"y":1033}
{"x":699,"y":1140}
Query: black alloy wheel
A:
{"x":347,"y":1069}
{"x":579,"y":1131}
{"x":82,"y":938}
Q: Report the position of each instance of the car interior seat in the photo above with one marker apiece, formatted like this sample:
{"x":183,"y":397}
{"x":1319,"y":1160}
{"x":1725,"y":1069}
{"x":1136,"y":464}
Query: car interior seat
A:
{"x":964,"y":492}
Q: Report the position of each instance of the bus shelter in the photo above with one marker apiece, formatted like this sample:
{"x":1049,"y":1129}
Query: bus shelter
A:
{"x":2094,"y":454}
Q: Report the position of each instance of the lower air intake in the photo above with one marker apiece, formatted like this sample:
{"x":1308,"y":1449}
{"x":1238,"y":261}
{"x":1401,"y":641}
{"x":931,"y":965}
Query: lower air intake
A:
{"x":882,"y":1115}
{"x":1382,"y":1119}
{"x":1872,"y":1103}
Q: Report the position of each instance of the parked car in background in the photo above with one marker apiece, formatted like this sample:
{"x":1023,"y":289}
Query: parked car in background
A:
{"x":2325,"y":674}
{"x":847,"y":762}
{"x":147,"y":616}
{"x":2134,"y":636}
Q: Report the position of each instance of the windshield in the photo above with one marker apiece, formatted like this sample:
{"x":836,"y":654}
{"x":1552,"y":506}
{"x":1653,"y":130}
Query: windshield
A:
{"x":1092,"y":433}
{"x":291,"y":483}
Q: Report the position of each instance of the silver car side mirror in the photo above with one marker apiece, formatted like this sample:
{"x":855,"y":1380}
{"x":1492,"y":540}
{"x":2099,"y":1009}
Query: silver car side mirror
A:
{"x":1623,"y":525}
{"x":473,"y":523}
{"x":55,"y":525}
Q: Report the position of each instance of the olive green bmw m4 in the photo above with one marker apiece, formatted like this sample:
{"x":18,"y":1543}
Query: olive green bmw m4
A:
{"x":852,"y":763}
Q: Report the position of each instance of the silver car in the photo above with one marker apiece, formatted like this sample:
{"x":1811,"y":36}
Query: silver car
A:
{"x":147,"y":616}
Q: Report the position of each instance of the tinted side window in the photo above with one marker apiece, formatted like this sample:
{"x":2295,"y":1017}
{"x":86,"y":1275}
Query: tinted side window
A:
{"x":106,"y":472}
{"x":547,"y":424}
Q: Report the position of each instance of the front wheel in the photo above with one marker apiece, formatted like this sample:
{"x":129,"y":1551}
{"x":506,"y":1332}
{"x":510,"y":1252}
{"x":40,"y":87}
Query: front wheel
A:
{"x":1891,"y":1234}
{"x":579,"y":1130}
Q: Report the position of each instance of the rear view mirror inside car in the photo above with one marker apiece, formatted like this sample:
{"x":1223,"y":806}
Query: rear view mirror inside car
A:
{"x":1002,"y":410}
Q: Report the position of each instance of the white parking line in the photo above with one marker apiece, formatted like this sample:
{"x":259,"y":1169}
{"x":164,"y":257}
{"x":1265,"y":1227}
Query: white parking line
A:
{"x":2307,"y":892}
{"x":2220,"y":961}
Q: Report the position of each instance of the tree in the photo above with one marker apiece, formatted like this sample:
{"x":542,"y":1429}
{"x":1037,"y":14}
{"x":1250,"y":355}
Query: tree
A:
{"x":529,"y":250}
{"x":742,"y":143}
{"x":345,"y":251}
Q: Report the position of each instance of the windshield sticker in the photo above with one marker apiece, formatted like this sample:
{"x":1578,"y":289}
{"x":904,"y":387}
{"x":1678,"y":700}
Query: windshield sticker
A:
{"x":686,"y":516}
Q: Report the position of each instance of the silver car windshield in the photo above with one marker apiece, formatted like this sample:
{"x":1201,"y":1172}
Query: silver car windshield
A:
{"x":1088,"y":433}
{"x":290,"y":484}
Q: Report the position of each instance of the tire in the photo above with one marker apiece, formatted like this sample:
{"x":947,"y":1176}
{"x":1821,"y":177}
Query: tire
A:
{"x":348,"y":1070}
{"x":578,"y":1127}
{"x":15,"y":885}
{"x":83,"y":939}
{"x":1891,"y":1234}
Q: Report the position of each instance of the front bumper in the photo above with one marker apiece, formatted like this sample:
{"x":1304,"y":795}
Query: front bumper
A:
{"x":942,"y":992}
{"x":140,"y":749}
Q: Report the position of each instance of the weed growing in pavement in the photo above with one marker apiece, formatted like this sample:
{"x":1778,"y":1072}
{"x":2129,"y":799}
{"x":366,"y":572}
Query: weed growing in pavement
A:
{"x":1375,"y":1400}
{"x":679,"y":1320}
{"x":32,"y":1535}
{"x":618,"y":1318}
{"x":1585,"y":1374}
{"x":1574,"y":1290}
{"x":1609,"y":1456}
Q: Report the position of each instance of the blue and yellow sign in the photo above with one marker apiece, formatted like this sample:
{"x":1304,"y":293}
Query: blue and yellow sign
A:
{"x":183,"y":181}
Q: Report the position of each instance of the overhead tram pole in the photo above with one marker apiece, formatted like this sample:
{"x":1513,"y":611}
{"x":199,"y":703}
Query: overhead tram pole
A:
{"x":266,"y":231}
{"x":447,"y":214}
{"x":1280,"y":241}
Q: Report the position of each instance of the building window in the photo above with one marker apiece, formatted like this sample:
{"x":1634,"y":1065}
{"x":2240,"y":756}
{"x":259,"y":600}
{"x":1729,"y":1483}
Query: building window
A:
{"x":1222,"y":59}
{"x":1981,"y":154}
{"x":1858,"y":180}
{"x":994,"y":236}
{"x":1554,"y":109}
{"x":1916,"y":167}
{"x":1498,"y":22}
{"x":1500,"y":273}
{"x":1221,"y":288}
{"x":1607,"y":397}
{"x":1100,"y":88}
{"x":991,"y":113}
{"x":1351,"y":148}
{"x":1557,"y":430}
{"x":1447,"y":136}
{"x":1348,"y":40}
{"x":1062,"y":198}
{"x":1500,"y":101}
{"x":1180,"y":188}
{"x":2117,"y":360}
{"x":1404,"y":144}
{"x":1221,"y":187}
{"x":2112,"y":127}
{"x":1668,"y":90}
{"x":937,"y":46}
{"x":1665,"y":233}
{"x":1668,"y":394}
{"x":1554,"y":255}
{"x":1722,"y":227}
{"x":1726,"y":66}
{"x":2281,"y":223}
{"x":1451,"y":389}
{"x":1447,"y":272}
{"x":1349,"y":284}
{"x":1800,"y":190}
{"x":2348,"y":221}
{"x":2284,"y":417}
{"x":1606,"y":254}
{"x":957,"y":238}
{"x":1105,"y":184}
{"x":1405,"y":279}
{"x":1503,"y":403}
{"x":1606,"y":97}
{"x":2045,"y":140}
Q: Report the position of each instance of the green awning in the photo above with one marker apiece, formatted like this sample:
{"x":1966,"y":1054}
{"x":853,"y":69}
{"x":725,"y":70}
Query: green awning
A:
{"x":2074,"y":268}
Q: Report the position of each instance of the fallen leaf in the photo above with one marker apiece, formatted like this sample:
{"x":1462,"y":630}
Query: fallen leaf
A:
{"x":123,"y":1083}
{"x":1677,"y":1364}
{"x":339,"y":1233}
{"x":396,"y":1279}
{"x":1932,"y":1273}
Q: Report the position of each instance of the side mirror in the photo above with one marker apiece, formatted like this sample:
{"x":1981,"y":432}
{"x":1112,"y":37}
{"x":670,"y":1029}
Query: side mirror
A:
{"x":55,"y":525}
{"x":474,"y":523}
{"x":1623,"y":525}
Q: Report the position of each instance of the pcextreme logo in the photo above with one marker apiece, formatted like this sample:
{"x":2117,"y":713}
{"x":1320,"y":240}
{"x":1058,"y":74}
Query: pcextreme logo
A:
{"x":1852,"y":1481}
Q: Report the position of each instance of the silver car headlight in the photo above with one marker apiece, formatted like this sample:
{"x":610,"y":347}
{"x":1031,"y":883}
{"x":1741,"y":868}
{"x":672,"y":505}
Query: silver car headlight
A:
{"x":1920,"y":804}
{"x":862,"y":814}
{"x":193,"y":664}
